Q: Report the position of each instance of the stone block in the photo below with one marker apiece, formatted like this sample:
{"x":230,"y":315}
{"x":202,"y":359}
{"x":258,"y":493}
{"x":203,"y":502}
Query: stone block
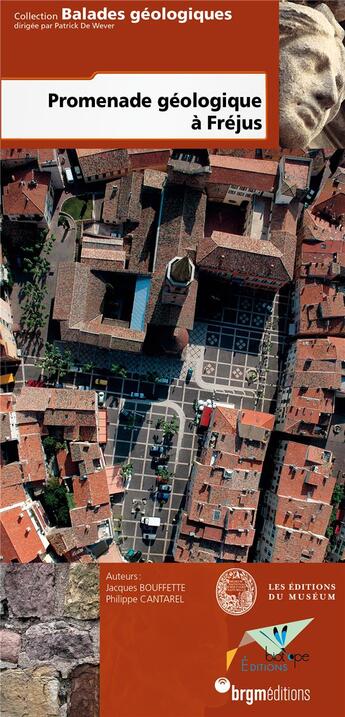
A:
{"x":57,"y":641}
{"x":82,"y":593}
{"x":9,"y":645}
{"x":84,"y":698}
{"x":30,"y":693}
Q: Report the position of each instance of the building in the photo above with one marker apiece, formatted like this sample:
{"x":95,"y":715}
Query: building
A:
{"x":69,"y":415}
{"x":99,"y":165}
{"x":8,"y":347}
{"x":12,"y":158}
{"x":318,"y":297}
{"x":150,"y":159}
{"x":261,"y":254}
{"x":49,"y":161}
{"x":23,"y":527}
{"x":29,"y":197}
{"x":123,"y":290}
{"x":223,"y":492}
{"x":297,"y":507}
{"x":314,"y":374}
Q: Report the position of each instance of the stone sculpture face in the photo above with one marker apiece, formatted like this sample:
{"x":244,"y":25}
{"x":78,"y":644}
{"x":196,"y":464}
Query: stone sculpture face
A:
{"x":312,"y":73}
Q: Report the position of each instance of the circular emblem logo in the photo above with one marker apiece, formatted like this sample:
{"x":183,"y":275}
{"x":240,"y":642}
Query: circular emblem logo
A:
{"x":222,"y":685}
{"x":236,"y":591}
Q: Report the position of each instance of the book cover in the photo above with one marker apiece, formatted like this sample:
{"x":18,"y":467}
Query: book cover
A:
{"x":172,"y":358}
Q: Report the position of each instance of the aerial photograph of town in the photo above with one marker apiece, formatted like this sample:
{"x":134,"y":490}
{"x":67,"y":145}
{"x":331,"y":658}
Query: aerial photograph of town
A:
{"x":172,"y":355}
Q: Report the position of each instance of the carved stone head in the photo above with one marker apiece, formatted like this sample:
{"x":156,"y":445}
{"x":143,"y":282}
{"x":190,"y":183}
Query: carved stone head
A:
{"x":312,"y":72}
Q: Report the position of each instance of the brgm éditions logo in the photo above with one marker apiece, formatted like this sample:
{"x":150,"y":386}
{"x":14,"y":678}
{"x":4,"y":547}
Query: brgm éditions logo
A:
{"x":236,"y":591}
{"x":273,"y":639}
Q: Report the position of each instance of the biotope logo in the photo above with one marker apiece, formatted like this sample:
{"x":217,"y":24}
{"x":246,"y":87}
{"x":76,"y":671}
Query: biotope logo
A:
{"x":273,"y":640}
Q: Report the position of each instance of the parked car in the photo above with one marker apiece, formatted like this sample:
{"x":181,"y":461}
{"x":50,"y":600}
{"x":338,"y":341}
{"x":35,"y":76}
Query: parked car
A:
{"x":69,"y":175}
{"x":38,"y":383}
{"x":162,"y":497}
{"x":101,"y":382}
{"x":58,"y":385}
{"x":189,"y":375}
{"x":164,"y":488}
{"x":77,"y":172}
{"x":157,"y":450}
{"x":150,"y":525}
{"x":133,"y":556}
{"x":84,"y":388}
{"x":100,"y":398}
{"x":134,"y":394}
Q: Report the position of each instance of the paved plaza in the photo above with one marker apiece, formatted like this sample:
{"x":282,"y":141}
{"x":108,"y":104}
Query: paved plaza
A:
{"x":242,"y":333}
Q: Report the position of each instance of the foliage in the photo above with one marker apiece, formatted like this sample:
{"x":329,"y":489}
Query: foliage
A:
{"x":164,"y":473}
{"x":37,"y":266}
{"x":52,"y":445}
{"x":55,"y":363}
{"x":127,"y":470}
{"x":338,"y":494}
{"x":88,"y":367}
{"x":55,"y":502}
{"x":119,"y":370}
{"x":170,"y":428}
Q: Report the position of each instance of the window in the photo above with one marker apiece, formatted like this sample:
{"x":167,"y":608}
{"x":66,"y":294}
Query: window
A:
{"x":216,"y":514}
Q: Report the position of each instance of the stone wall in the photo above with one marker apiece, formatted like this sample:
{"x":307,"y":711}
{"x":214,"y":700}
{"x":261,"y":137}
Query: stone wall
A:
{"x":49,"y":640}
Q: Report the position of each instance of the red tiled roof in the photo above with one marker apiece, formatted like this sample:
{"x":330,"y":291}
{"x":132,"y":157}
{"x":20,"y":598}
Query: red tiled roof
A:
{"x":255,"y":174}
{"x":91,"y":491}
{"x":86,"y":516}
{"x":114,"y":479}
{"x":31,"y":452}
{"x":27,"y":194}
{"x":11,"y":495}
{"x":19,"y":539}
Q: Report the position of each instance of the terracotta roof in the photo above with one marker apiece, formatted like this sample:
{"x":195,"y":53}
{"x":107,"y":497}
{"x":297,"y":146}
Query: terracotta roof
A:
{"x":11,"y":495}
{"x":9,"y":153}
{"x":55,"y":399}
{"x":114,"y":479}
{"x":86,"y":516}
{"x":122,"y":199}
{"x":101,"y":161}
{"x":296,"y":173}
{"x":65,"y":540}
{"x":154,"y":179}
{"x":11,"y":474}
{"x":27,"y":194}
{"x":91,"y":491}
{"x":255,"y":174}
{"x":231,"y":253}
{"x":31,"y":453}
{"x":19,"y":539}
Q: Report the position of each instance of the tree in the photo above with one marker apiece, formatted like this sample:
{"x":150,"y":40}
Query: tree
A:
{"x":54,"y":363}
{"x":55,"y":503}
{"x":164,"y":474}
{"x":52,"y":445}
{"x":127,"y":471}
{"x":89,"y":366}
{"x":170,"y":428}
{"x":118,"y":370}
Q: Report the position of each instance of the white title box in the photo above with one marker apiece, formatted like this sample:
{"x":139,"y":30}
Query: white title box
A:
{"x":26,"y":113}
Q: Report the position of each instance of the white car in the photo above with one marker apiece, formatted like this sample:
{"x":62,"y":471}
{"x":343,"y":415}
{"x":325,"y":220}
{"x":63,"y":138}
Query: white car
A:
{"x":100,"y":398}
{"x":147,"y":523}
